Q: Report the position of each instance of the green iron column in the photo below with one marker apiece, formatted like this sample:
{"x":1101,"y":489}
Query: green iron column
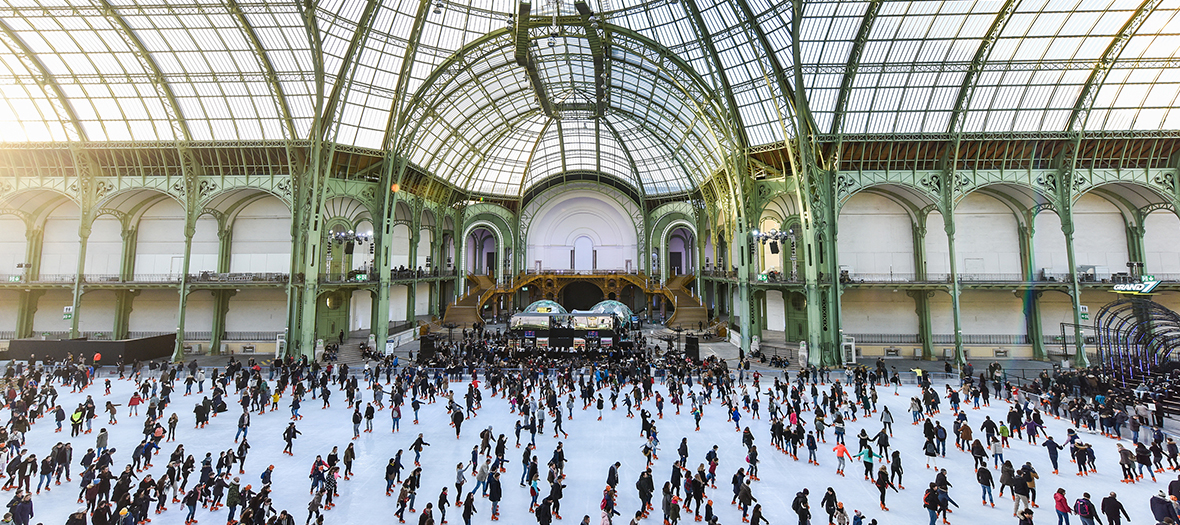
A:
{"x":27,"y":300}
{"x":948,"y":220}
{"x":80,"y":275}
{"x":221,"y":297}
{"x":1075,"y":288}
{"x":1136,"y":246}
{"x":435,"y":270}
{"x":124,"y":299}
{"x":190,"y":229}
{"x":412,"y":288}
{"x":1030,"y":296}
{"x":26,"y":310}
{"x":124,"y":304}
{"x":382,"y":264}
{"x":922,"y":297}
{"x":34,"y":241}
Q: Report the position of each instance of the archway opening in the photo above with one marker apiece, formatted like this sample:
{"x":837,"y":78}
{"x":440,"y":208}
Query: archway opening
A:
{"x":681,"y":256}
{"x":580,"y":295}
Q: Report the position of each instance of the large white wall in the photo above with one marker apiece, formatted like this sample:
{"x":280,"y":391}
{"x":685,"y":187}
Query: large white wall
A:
{"x":360,"y":308}
{"x":160,"y":242}
{"x":986,"y":237}
{"x":49,"y":308}
{"x":985,"y":312}
{"x":1100,"y":234}
{"x":776,"y":311}
{"x":938,"y":259}
{"x":878,"y":312}
{"x":104,"y":248}
{"x":8,"y":309}
{"x":262,"y":238}
{"x":565,"y":217}
{"x":97,"y":312}
{"x":12,"y":244}
{"x":257,"y":311}
{"x":155,"y":311}
{"x":1161,"y":242}
{"x":876,"y":236}
{"x":400,"y":249}
{"x":398,"y":295}
{"x":59,"y":253}
{"x":1049,"y":245}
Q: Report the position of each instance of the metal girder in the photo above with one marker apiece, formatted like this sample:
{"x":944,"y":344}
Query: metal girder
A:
{"x":272,"y":79}
{"x":403,"y":76}
{"x":962,"y":66}
{"x":626,"y":152}
{"x":432,"y":92}
{"x":788,"y":92}
{"x":146,"y":9}
{"x":91,"y":79}
{"x":598,"y":47}
{"x":525,"y":59}
{"x":46,"y":81}
{"x":852,"y":68}
{"x":347,"y":64}
{"x":707,"y":40}
{"x":967,"y":89}
{"x":159,"y":81}
{"x":485,"y":139}
{"x":1085,"y":102}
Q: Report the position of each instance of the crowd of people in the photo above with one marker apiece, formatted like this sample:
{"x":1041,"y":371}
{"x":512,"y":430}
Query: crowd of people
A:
{"x":802,"y":409}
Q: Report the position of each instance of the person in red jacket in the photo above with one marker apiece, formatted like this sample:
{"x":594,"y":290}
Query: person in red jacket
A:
{"x":1061,"y":505}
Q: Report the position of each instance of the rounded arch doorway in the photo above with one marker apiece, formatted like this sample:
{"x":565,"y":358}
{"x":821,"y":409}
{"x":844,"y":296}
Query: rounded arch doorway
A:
{"x":580,"y":295}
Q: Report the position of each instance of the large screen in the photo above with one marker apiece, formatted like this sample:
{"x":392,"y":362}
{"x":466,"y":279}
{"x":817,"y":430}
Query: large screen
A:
{"x":529,"y":322}
{"x":593,"y":322}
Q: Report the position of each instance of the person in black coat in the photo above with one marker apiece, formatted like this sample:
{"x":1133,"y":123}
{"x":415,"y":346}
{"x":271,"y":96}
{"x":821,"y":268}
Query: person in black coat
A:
{"x":1113,"y":508}
{"x":612,"y":476}
{"x":494,"y":494}
{"x":1161,"y":507}
{"x":544,"y":512}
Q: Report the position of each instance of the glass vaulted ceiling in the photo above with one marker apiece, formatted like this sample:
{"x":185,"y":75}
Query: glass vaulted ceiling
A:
{"x":125,"y":70}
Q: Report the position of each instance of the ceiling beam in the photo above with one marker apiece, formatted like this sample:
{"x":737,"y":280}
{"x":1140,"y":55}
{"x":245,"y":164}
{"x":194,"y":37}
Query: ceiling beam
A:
{"x":49,"y":86}
{"x":707,"y":39}
{"x":599,"y":52}
{"x":525,"y":59}
{"x":1102,"y":67}
{"x":180,"y":130}
{"x":331,"y":107}
{"x":272,"y":79}
{"x":852,"y":66}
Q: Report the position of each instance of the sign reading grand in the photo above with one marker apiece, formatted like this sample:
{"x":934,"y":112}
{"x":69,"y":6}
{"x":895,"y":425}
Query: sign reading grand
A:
{"x":1144,"y":287}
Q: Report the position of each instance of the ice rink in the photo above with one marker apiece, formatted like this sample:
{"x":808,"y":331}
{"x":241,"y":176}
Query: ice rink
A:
{"x":592,"y":446}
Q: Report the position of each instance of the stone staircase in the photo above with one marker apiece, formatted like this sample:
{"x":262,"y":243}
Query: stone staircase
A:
{"x":689,"y":310}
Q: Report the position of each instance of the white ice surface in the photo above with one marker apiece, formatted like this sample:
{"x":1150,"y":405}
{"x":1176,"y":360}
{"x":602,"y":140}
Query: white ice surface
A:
{"x":590,"y":449}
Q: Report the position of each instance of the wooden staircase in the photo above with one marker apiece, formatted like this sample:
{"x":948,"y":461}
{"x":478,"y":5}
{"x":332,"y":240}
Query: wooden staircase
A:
{"x":465,"y":311}
{"x":689,"y":310}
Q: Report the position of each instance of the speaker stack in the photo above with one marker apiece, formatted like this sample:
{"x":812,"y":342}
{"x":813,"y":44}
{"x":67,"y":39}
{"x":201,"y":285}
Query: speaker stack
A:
{"x":692,"y":347}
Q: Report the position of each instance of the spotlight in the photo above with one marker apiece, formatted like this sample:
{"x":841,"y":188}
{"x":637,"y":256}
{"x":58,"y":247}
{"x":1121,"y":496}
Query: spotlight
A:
{"x":552,"y":41}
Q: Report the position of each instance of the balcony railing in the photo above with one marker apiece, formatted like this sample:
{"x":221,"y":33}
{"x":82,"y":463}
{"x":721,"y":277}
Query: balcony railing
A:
{"x":360,"y":276}
{"x":251,"y":336}
{"x":941,"y":339}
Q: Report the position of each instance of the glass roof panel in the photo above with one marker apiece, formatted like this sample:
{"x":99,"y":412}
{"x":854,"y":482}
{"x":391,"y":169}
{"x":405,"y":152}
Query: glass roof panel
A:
{"x":484,"y":123}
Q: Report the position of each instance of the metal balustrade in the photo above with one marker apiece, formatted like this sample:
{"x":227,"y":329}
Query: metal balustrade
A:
{"x":942,"y":339}
{"x":251,"y":336}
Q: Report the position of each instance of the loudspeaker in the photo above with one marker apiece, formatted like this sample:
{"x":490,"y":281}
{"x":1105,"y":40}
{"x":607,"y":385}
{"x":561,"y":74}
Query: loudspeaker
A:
{"x":425,"y":349}
{"x":348,"y":247}
{"x":692,"y":347}
{"x":773,"y":246}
